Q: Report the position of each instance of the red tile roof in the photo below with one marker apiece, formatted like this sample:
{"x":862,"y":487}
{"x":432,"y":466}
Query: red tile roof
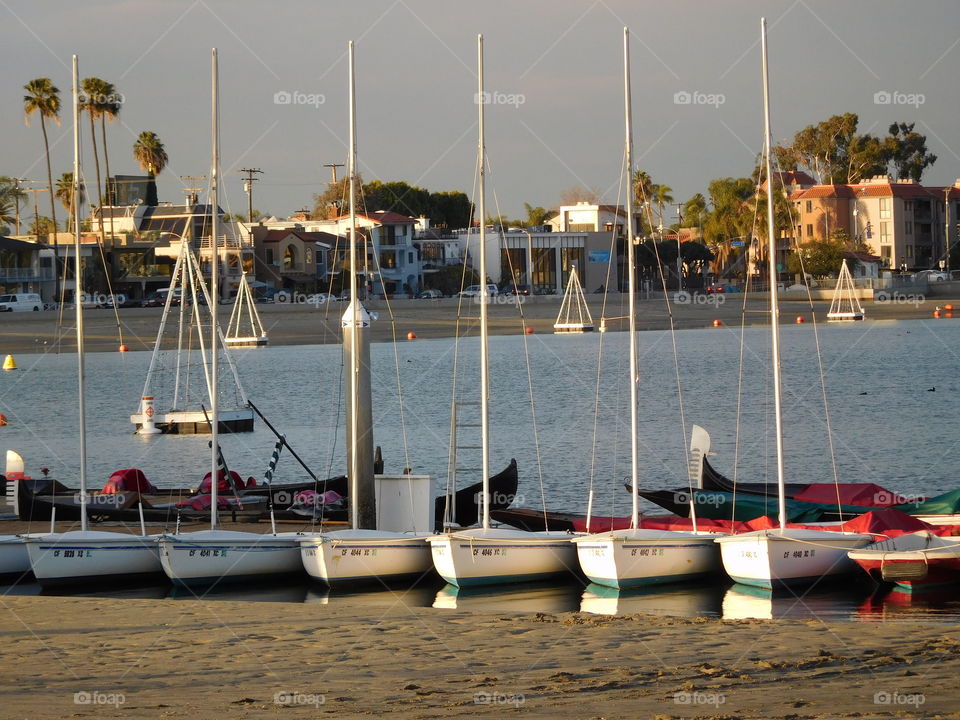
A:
{"x":823,"y":191}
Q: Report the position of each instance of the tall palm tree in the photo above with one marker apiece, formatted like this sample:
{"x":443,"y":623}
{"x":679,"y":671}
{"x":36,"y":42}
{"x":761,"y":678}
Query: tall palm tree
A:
{"x":149,"y":153}
{"x":43,"y":98}
{"x":10,"y":196}
{"x":64,"y":193}
{"x":93,"y":97}
{"x":662,"y":195}
{"x":111,"y":111}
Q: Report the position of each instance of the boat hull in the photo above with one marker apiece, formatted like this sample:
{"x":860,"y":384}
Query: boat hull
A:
{"x":80,"y":556}
{"x":916,"y":562}
{"x":773,"y":559}
{"x":488,"y":557}
{"x":637,"y":558}
{"x":358,"y":556}
{"x":213,"y":556}
{"x":14,"y":559}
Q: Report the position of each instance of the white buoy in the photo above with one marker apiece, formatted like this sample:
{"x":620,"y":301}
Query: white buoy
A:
{"x":147,"y":426}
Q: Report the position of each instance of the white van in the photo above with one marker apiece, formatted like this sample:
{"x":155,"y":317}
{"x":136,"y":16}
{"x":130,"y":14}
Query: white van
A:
{"x":20,"y":301}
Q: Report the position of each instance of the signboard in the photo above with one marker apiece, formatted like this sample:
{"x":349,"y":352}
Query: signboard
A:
{"x":737,"y":243}
{"x":599,"y":256}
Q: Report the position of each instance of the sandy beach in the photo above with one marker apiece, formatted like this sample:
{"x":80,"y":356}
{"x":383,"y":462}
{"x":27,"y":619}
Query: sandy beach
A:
{"x":308,"y":324}
{"x":137,"y":658}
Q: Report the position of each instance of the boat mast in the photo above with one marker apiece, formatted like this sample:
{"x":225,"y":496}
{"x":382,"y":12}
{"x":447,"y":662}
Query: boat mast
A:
{"x":772,"y":269}
{"x":484,"y":341}
{"x":631,"y":287}
{"x":214,"y":294}
{"x":77,"y":299}
{"x":355,"y":321}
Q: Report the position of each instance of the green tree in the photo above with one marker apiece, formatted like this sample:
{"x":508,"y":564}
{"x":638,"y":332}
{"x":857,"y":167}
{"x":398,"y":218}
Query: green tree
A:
{"x":41,"y":227}
{"x":150,"y":154}
{"x":818,"y":258}
{"x":694,"y":211}
{"x":908,"y":152}
{"x":451,"y":209}
{"x":10,"y":195}
{"x":110,"y":110}
{"x":451,"y":279}
{"x":93,"y":99}
{"x":535,"y":215}
{"x":43,"y":98}
{"x":64,"y":193}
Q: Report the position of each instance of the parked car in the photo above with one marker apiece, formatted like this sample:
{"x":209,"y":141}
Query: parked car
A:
{"x":159,"y":298}
{"x":322,"y":298}
{"x":475,"y":290}
{"x":932,"y":275}
{"x":430,"y":294}
{"x":18,"y":302}
{"x":715,"y":288}
{"x":517,"y":290}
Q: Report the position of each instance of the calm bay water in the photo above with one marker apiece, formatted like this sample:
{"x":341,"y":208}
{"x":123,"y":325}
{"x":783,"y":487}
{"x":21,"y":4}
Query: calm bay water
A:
{"x":887,"y":427}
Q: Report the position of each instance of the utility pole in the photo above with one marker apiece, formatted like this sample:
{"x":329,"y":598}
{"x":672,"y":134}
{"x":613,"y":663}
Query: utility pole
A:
{"x":946,"y":229}
{"x":679,"y":257}
{"x":16,"y":199}
{"x":333,"y":169}
{"x":248,"y":188}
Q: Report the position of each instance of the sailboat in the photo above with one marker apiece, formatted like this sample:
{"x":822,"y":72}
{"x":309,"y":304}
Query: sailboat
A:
{"x":209,"y":556}
{"x":635,"y":556}
{"x":487,"y":555}
{"x":361,"y":553}
{"x":182,"y":412}
{"x":782,"y":556}
{"x":845,"y":305}
{"x":84,"y":554}
{"x":574,"y":314}
{"x":251,"y":333}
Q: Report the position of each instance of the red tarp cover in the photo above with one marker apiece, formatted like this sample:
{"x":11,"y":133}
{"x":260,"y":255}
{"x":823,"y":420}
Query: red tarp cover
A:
{"x":222,"y":486}
{"x":203,"y":502}
{"x":863,"y":494}
{"x":130,"y":480}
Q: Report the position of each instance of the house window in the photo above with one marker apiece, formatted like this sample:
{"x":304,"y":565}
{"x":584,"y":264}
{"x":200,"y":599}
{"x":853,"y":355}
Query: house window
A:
{"x":290,"y":258}
{"x":886,"y":252}
{"x":809,"y":205}
{"x":884,"y":232}
{"x":269,"y":256}
{"x":308,"y":256}
{"x":410,"y":258}
{"x":908,"y":205}
{"x":909,"y":251}
{"x":885,"y":208}
{"x":908,"y":227}
{"x":388,"y":260}
{"x":809,"y":230}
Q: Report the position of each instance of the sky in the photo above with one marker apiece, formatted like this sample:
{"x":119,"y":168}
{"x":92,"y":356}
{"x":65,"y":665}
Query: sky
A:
{"x":554,"y":75}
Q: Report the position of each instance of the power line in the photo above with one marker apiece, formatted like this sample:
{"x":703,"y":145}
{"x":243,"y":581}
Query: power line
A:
{"x":248,"y":188}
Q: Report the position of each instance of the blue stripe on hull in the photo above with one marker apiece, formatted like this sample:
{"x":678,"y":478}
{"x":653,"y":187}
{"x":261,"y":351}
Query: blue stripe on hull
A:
{"x":626,"y":583}
{"x":501,"y":579}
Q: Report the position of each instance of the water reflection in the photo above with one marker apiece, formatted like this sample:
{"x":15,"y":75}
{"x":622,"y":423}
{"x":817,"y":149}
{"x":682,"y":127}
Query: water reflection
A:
{"x":521,"y":598}
{"x":687,"y":600}
{"x":838,"y":602}
{"x":375,"y":596}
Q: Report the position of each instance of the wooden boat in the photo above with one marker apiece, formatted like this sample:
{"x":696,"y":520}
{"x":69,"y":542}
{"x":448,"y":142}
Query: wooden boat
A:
{"x":919,"y":561}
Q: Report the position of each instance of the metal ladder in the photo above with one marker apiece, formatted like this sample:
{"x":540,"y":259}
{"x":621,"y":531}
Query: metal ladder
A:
{"x":453,"y":469}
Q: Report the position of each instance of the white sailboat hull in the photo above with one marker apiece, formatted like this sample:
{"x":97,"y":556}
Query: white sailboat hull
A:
{"x":358,"y":556}
{"x":498,"y":555}
{"x":783,"y":558}
{"x":211,"y":556}
{"x":635,"y":558}
{"x":80,"y":555}
{"x":14,"y":559}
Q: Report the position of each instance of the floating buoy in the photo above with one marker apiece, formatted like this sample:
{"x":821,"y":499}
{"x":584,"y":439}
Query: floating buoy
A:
{"x":9,"y":363}
{"x":948,"y":314}
{"x":3,"y":419}
{"x":411,"y":336}
{"x":123,"y":348}
{"x":800,"y":320}
{"x":529,"y":331}
{"x":936,"y":313}
{"x":717,"y":323}
{"x":948,"y":307}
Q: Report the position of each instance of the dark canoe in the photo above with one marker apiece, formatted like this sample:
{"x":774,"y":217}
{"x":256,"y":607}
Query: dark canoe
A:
{"x":536,"y":520}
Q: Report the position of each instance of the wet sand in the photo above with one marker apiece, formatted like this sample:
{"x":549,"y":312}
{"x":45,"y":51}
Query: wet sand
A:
{"x":306,"y":324}
{"x":141,"y":658}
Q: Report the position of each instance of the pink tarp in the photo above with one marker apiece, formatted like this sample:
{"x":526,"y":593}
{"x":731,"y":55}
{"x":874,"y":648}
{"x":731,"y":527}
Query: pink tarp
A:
{"x":130,"y":480}
{"x":863,"y":494}
{"x":222,"y":486}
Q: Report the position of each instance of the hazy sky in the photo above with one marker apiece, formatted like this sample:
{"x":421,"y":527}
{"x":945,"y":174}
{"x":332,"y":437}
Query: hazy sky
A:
{"x":554,"y":70}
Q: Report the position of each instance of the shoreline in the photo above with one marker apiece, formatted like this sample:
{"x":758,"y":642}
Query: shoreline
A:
{"x":141,"y":658}
{"x":431,"y":319}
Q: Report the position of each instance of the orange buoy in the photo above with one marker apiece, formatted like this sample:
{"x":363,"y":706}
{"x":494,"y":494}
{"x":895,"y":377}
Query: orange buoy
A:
{"x":948,"y":314}
{"x":936,"y":313}
{"x":948,"y":307}
{"x":800,"y":320}
{"x":411,"y":336}
{"x":529,"y":331}
{"x":3,"y":419}
{"x":717,"y":323}
{"x":123,"y":348}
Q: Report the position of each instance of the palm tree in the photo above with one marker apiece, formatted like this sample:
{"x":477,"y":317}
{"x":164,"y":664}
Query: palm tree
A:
{"x":662,"y":196}
{"x":10,"y":195}
{"x":43,"y":98}
{"x":149,"y":153}
{"x":93,"y":96}
{"x":110,"y":111}
{"x":64,"y":193}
